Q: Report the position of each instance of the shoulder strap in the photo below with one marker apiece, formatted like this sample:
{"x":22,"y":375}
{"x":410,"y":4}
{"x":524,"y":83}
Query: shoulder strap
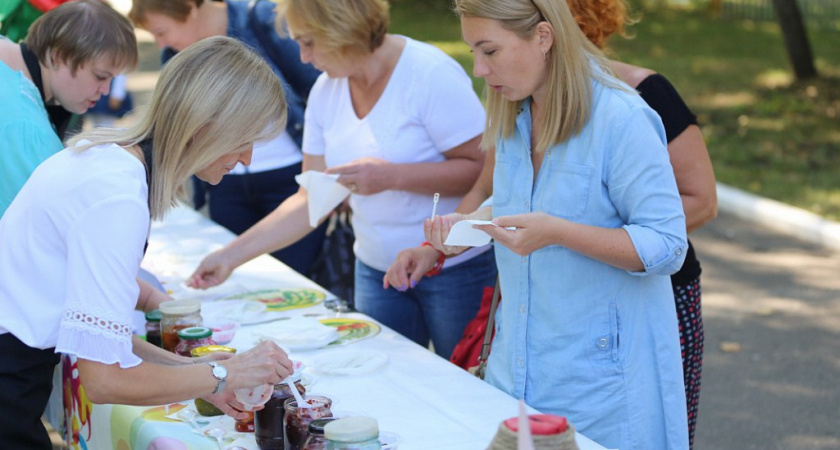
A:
{"x":488,"y":332}
{"x":34,"y":68}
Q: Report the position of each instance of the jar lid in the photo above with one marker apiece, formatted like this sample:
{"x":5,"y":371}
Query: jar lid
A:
{"x":195,"y":333}
{"x":180,"y":307}
{"x":350,"y":429}
{"x":317,"y":425}
{"x":154,"y":315}
{"x":208,"y":349}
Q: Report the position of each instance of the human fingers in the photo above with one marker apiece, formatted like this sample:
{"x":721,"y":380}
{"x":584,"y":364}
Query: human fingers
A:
{"x":227,"y":403}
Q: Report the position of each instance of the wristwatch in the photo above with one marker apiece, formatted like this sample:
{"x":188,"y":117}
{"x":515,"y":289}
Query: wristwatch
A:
{"x":219,"y":373}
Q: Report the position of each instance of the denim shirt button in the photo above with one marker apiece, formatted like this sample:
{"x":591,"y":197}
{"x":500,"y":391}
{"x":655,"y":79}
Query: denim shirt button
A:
{"x":522,"y":309}
{"x":679,"y":251}
{"x":524,"y":259}
{"x":602,"y":343}
{"x":520,"y":362}
{"x":298,"y":126}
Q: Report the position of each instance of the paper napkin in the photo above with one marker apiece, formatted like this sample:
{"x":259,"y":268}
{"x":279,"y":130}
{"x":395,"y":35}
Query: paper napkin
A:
{"x":324,"y":191}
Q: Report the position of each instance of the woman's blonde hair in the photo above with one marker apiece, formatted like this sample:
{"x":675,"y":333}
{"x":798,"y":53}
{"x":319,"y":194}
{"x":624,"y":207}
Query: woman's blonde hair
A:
{"x":570,"y":68}
{"x":210,"y":100}
{"x":343,"y":28}
{"x":77,"y":32}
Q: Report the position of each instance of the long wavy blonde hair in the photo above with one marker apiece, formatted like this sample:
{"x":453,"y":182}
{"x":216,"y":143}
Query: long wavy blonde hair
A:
{"x":211,"y":99}
{"x":572,"y":63}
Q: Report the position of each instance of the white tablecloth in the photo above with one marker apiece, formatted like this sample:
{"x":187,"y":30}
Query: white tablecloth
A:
{"x":427,"y":401}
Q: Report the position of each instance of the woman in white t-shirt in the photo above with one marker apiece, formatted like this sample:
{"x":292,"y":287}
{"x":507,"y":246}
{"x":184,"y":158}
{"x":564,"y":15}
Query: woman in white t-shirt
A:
{"x":398,"y":120}
{"x":73,"y":238}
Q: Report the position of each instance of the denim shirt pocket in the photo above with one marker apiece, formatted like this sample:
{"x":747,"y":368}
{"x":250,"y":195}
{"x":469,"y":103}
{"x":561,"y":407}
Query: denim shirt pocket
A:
{"x":503,"y":176}
{"x":565,"y":189}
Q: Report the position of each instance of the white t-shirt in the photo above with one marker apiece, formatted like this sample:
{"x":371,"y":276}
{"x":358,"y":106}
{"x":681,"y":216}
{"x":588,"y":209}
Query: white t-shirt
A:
{"x":427,"y":108}
{"x":70,"y":248}
{"x":282,"y":151}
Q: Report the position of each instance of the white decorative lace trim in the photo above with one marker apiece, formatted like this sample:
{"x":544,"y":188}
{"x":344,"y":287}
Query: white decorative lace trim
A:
{"x":96,"y":325}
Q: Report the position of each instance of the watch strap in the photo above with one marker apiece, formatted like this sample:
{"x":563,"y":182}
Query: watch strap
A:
{"x":222,"y":380}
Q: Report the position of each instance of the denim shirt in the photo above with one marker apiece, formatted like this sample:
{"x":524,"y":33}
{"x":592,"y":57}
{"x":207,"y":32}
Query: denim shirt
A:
{"x":575,"y":336}
{"x":296,"y":76}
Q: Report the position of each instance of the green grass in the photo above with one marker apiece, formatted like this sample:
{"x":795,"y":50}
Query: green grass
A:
{"x":766,"y":133}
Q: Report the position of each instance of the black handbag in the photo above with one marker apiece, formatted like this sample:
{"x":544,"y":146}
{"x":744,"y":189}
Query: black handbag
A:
{"x":333,"y":269}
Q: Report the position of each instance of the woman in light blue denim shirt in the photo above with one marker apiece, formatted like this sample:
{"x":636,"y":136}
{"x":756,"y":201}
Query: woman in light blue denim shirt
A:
{"x":587,"y":328}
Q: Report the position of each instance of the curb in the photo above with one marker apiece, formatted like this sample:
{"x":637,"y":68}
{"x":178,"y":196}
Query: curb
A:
{"x":780,"y":217}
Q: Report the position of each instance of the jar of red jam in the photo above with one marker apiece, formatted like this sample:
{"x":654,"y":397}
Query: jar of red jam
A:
{"x":296,"y":422}
{"x":177,"y":315}
{"x":269,"y":429}
{"x":153,"y":327}
{"x":192,"y":338}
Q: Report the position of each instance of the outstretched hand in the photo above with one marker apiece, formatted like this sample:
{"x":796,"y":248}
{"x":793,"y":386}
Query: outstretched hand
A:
{"x":213,"y":270}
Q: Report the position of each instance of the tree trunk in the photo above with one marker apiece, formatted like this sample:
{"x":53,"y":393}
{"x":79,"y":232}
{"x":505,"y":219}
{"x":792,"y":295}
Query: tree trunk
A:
{"x":796,"y":38}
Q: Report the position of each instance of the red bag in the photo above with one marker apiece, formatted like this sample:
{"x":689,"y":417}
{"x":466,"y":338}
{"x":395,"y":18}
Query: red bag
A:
{"x":466,"y":354}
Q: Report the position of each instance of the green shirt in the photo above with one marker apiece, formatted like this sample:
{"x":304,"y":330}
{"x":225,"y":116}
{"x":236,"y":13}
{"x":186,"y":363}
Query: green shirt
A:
{"x":26,"y":136}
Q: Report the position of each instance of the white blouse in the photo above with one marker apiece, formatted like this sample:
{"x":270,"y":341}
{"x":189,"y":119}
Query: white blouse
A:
{"x":70,"y":247}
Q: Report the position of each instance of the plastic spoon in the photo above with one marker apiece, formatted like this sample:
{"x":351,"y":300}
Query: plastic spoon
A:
{"x":300,"y":401}
{"x":217,"y":433}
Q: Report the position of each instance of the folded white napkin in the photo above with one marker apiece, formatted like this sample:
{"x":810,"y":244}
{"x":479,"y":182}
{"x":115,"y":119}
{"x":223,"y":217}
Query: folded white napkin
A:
{"x":463,"y":234}
{"x":297,"y":333}
{"x":324,"y":192}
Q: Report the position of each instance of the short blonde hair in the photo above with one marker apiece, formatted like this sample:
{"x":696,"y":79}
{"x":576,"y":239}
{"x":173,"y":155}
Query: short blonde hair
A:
{"x":176,"y":9}
{"x":81,"y":31}
{"x":570,"y":68}
{"x":210,"y":100}
{"x":342,"y":27}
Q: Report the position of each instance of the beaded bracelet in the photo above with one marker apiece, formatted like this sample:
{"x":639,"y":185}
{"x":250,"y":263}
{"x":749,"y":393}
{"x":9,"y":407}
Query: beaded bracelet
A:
{"x":438,"y":265}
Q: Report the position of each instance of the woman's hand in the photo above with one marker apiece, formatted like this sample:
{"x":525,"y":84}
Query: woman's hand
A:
{"x":410,"y":267}
{"x":266,"y":363}
{"x":437,"y":230}
{"x":212,"y":271}
{"x":533,"y":231}
{"x":365,"y":176}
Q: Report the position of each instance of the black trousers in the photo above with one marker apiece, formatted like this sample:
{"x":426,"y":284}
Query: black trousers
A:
{"x":26,"y":375}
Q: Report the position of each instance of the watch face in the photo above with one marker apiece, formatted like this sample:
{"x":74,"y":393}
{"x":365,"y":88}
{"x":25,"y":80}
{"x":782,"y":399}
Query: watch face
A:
{"x":220,"y":372}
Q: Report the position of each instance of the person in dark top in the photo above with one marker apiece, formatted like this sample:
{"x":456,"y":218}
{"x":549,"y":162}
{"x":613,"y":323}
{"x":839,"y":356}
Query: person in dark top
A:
{"x":249,"y":193}
{"x":599,"y":19}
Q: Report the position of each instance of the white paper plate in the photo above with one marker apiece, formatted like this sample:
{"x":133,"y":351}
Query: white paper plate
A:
{"x":349,"y":362}
{"x":246,"y":312}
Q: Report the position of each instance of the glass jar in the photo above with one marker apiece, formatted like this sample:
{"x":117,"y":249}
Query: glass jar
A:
{"x":153,"y":327}
{"x":269,"y":428}
{"x":192,"y":338}
{"x":177,"y":315}
{"x":316,"y":439}
{"x":296,"y":422}
{"x":352,"y":433}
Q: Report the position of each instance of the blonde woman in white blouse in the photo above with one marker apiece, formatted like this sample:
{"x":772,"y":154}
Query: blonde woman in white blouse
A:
{"x":72,"y":241}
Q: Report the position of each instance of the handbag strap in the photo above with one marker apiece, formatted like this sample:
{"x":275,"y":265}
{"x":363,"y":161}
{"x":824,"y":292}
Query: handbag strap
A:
{"x":491,"y":321}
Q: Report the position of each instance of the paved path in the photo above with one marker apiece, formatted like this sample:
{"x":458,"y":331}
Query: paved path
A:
{"x":771,"y":374}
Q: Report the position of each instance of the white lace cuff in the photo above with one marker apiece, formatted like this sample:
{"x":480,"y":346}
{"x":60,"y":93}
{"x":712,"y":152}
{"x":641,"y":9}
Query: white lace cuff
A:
{"x":96,"y":339}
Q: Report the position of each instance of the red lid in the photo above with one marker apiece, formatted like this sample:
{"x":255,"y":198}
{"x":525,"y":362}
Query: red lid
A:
{"x":541,"y":424}
{"x":46,"y":5}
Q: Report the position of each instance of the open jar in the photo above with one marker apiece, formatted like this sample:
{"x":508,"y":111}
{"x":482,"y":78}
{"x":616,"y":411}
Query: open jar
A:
{"x":269,"y":428}
{"x":297,"y":419}
{"x":177,"y":315}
